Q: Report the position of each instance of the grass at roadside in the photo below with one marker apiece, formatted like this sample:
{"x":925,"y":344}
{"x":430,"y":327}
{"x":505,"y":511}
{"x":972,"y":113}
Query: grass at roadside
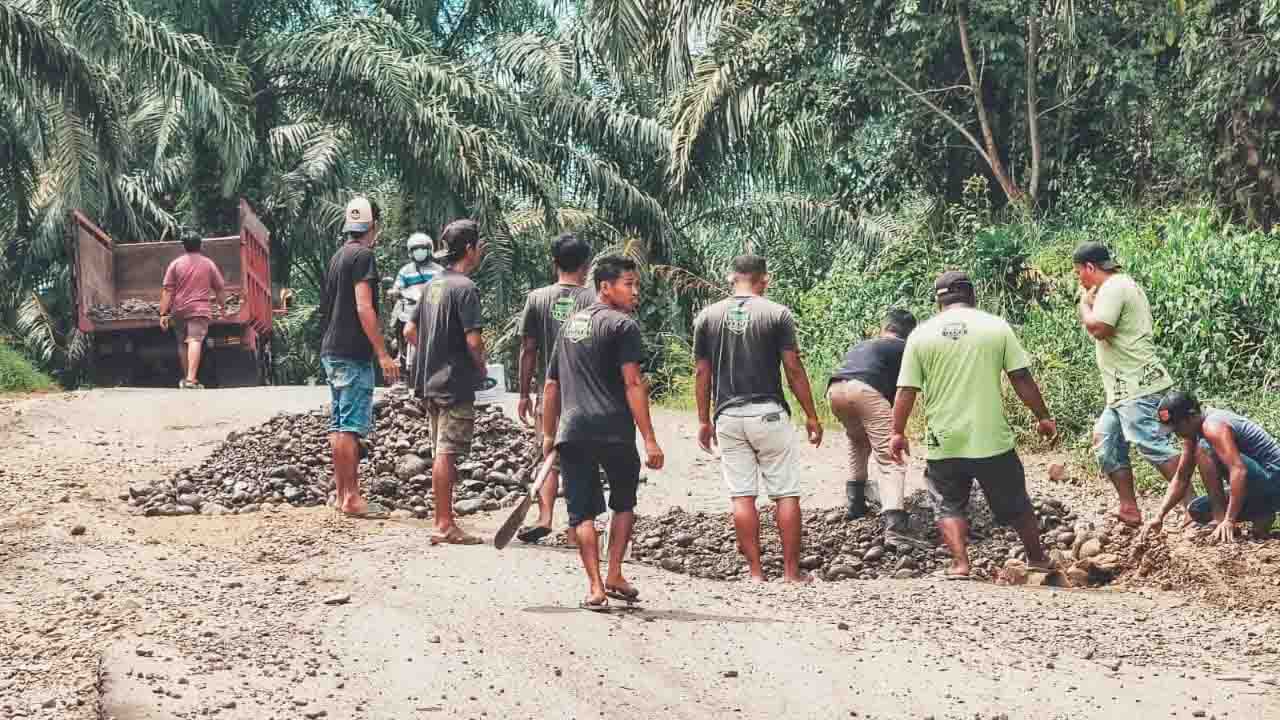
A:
{"x":17,"y":375}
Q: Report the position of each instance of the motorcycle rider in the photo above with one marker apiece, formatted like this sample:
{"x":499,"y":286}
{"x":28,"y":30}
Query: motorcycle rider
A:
{"x":410,"y":281}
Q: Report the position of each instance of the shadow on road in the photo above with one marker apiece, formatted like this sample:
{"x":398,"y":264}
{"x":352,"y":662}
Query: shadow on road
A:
{"x":654,"y":615}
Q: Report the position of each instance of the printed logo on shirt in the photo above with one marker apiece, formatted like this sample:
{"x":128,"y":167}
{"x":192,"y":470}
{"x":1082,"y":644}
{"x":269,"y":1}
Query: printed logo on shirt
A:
{"x":955,"y":331}
{"x":737,"y":320}
{"x":578,"y":328}
{"x":1151,"y":373}
{"x":931,"y":440}
{"x":1121,"y":388}
{"x":562,"y":308}
{"x":435,"y":293}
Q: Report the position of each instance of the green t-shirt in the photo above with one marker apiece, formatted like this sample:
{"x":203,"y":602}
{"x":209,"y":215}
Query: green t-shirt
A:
{"x":1127,"y":360}
{"x":956,"y":359}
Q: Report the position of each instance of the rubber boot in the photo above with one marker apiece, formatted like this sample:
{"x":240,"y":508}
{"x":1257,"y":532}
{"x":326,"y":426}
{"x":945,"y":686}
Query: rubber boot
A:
{"x":857,"y":495}
{"x":897,"y":532}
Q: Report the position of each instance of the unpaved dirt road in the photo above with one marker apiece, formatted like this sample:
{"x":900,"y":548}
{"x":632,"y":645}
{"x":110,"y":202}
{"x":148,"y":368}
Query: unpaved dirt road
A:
{"x":227,"y":617}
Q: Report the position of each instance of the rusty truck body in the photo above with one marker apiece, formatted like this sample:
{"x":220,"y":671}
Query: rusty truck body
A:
{"x":134,"y":349}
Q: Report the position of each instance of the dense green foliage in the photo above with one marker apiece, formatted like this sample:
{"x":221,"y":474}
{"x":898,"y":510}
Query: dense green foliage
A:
{"x":17,"y":374}
{"x":862,"y":146}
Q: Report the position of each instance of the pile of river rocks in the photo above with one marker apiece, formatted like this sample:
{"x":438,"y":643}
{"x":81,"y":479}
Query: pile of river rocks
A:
{"x":704,"y":545}
{"x":138,"y":309}
{"x":287,"y":460}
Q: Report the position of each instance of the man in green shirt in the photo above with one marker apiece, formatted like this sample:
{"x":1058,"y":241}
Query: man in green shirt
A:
{"x":1114,"y":310}
{"x":956,"y":359}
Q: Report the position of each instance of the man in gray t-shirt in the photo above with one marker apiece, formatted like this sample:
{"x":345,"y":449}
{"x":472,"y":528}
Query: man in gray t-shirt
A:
{"x":595,"y":376}
{"x":739,"y":344}
{"x":544,"y":313}
{"x":448,"y":365}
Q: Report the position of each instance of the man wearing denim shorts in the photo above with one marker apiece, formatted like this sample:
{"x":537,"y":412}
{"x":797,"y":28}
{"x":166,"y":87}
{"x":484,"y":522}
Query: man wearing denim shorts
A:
{"x":1222,"y":445}
{"x":956,"y":359}
{"x":739,"y":344}
{"x":1114,"y":310}
{"x":594,"y":375}
{"x":449,"y":364}
{"x":349,"y":317}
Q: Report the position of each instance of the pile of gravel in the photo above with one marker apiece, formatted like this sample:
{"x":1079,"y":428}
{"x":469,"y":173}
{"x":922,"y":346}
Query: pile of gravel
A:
{"x":704,"y":545}
{"x":287,"y":460}
{"x":136,"y":309}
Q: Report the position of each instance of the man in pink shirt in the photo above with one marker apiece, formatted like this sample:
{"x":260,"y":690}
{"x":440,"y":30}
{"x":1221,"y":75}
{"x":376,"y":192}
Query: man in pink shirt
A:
{"x":189,"y":283}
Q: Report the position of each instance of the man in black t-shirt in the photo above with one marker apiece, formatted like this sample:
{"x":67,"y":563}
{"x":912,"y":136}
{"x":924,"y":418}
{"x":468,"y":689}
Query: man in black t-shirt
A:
{"x":545,"y":311}
{"x":595,"y":376}
{"x":740,"y":344}
{"x":861,"y":395}
{"x":448,"y":365}
{"x":352,"y":338}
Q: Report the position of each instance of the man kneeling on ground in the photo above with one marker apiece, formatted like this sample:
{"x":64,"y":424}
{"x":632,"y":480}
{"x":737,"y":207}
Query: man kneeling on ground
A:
{"x":594,"y":375}
{"x":738,"y":344}
{"x":1221,"y":443}
{"x":956,"y":358}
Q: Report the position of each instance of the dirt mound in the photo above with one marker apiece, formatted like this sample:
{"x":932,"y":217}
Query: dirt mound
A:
{"x":1243,"y":574}
{"x":288,"y":460}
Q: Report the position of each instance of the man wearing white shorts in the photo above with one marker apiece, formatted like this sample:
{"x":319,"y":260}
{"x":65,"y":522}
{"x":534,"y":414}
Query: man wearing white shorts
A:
{"x":739,"y":345}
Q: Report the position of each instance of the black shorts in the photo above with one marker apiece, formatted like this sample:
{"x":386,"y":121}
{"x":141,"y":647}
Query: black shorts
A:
{"x":580,"y":465}
{"x":1001,"y":477}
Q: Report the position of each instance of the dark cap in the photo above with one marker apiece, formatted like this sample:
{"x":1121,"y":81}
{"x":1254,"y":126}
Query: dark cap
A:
{"x":1095,"y":253}
{"x":1175,"y":407}
{"x":456,"y":237}
{"x":952,"y":281}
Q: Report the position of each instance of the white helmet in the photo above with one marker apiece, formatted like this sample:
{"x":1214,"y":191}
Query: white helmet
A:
{"x":419,"y":240}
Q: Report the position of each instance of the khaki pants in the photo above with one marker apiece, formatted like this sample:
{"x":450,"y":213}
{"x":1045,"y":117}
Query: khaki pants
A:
{"x":868,"y":421}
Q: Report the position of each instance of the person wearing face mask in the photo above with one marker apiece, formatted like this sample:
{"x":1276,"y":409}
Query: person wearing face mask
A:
{"x":408,"y":290}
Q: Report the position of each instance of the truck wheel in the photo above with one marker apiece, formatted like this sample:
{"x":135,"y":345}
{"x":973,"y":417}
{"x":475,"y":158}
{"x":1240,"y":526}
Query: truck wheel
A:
{"x":235,"y":367}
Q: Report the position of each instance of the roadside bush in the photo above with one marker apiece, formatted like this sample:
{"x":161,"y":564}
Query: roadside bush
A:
{"x":18,"y":375}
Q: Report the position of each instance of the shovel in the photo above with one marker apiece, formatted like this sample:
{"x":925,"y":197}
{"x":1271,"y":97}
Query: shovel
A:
{"x":512,"y":525}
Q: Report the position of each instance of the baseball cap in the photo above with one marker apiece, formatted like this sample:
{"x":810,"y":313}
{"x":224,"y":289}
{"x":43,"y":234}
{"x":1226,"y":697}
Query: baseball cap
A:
{"x":358,"y":217}
{"x":1096,"y":253}
{"x":952,"y":281}
{"x":1175,"y":407}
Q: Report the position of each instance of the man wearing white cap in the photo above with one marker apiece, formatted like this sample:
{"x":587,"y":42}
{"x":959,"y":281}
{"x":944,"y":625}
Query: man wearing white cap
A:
{"x":352,"y":338}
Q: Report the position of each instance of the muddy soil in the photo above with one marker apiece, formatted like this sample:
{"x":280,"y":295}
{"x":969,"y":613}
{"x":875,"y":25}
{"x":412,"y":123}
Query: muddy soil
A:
{"x":299,"y":613}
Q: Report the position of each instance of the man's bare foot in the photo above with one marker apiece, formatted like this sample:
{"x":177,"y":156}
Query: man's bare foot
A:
{"x":958,"y":570}
{"x":1130,"y":516}
{"x":799,"y":579}
{"x":353,"y":505}
{"x":757,"y":578}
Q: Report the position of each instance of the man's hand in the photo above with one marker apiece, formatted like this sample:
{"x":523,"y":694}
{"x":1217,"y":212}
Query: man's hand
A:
{"x":1048,"y":428}
{"x":655,"y":458}
{"x":1151,"y":529}
{"x":707,"y":436}
{"x":523,"y":408}
{"x":1224,"y":533}
{"x":814,"y":426}
{"x":165,"y":322}
{"x":899,"y":448}
{"x":411,"y":333}
{"x":390,"y":370}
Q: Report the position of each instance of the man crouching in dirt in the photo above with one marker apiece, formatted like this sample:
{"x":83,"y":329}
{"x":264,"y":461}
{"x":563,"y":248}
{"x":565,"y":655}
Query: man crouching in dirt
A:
{"x":594,"y":400}
{"x":956,"y":358}
{"x":738,"y":344}
{"x":1221,"y":443}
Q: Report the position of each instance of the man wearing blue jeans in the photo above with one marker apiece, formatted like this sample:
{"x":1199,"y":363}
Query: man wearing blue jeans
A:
{"x":1115,"y":312}
{"x":1222,"y":444}
{"x":352,"y":338}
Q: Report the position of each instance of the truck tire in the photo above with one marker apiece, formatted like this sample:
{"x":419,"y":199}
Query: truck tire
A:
{"x":235,"y":367}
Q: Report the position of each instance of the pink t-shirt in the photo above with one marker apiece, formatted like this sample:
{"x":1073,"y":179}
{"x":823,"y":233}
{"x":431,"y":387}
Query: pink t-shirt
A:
{"x":189,"y":280}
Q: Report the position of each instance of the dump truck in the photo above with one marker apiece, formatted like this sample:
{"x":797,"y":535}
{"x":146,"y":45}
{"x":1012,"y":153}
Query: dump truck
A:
{"x":117,"y":294}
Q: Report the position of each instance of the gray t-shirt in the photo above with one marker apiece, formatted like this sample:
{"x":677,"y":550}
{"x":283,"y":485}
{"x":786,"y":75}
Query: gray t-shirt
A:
{"x":545,"y":311}
{"x":1251,"y":439}
{"x":744,"y":337}
{"x":594,"y":344}
{"x":443,"y":368}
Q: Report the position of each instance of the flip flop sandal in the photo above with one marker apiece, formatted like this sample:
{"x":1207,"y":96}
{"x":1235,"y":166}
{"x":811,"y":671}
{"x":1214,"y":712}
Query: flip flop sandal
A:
{"x":944,"y":575}
{"x":618,"y":593}
{"x":455,"y":537}
{"x":533,"y":534}
{"x":373,"y":512}
{"x":600,"y":607}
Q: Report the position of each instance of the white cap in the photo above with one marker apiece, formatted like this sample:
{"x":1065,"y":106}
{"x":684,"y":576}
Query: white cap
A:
{"x":359,"y":216}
